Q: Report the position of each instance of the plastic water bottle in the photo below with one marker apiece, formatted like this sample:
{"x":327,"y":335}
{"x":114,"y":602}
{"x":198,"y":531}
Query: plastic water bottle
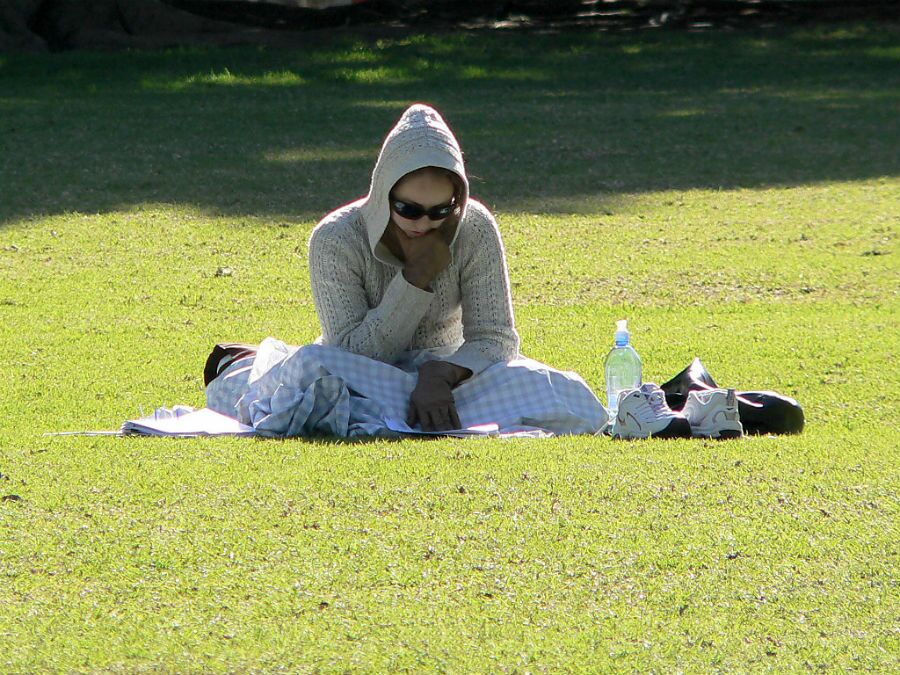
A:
{"x":622,"y":367}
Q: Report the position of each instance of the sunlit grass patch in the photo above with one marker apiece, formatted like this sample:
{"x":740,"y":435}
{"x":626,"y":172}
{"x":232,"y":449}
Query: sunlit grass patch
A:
{"x":892,"y":53}
{"x":685,"y":112}
{"x":226,"y":78}
{"x":357,"y":54}
{"x":757,"y":246}
{"x":378,"y":75}
{"x":514,"y":74}
{"x":382,"y":104}
{"x":318,"y":154}
{"x":474,"y":72}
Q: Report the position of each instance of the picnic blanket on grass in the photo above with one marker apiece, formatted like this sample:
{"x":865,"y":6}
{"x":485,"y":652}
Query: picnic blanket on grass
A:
{"x":318,"y":390}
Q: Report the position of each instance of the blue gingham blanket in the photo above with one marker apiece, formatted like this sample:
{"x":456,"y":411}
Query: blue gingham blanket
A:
{"x":318,"y":390}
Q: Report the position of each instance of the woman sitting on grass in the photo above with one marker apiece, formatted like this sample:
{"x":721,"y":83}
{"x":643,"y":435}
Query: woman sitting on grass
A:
{"x":412,"y":281}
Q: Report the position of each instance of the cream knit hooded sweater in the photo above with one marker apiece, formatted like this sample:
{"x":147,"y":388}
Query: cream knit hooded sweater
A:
{"x":364,"y":303}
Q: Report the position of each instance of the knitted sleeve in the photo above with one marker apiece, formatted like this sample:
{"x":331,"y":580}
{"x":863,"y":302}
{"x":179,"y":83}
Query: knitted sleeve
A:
{"x":336,"y":269}
{"x":489,"y":334}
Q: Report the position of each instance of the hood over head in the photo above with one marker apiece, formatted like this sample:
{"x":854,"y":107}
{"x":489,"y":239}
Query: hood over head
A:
{"x":420,"y":138}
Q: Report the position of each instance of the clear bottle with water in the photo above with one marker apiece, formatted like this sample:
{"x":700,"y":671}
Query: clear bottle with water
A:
{"x":622,"y":367}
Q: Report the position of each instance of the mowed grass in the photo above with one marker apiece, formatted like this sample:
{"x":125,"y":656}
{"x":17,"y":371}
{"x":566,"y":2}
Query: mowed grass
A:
{"x":734,"y":195}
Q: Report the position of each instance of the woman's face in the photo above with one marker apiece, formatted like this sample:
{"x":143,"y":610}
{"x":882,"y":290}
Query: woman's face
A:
{"x":427,"y":190}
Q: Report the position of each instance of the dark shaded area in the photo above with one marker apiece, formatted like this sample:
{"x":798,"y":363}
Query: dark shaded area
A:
{"x":37,"y":25}
{"x":552,"y":123}
{"x":541,"y":14}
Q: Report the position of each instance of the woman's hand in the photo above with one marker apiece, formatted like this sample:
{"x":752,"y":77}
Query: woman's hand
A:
{"x":431,"y":404}
{"x":424,"y":257}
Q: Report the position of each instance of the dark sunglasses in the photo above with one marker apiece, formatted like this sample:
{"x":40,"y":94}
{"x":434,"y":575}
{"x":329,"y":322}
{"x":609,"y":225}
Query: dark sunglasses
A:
{"x":414,"y":211}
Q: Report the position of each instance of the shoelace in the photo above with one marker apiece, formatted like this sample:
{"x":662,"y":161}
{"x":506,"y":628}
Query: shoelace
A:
{"x":657,"y":403}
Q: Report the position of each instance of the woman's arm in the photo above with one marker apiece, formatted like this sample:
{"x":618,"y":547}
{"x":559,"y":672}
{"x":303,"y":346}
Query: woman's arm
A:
{"x":489,"y":332}
{"x":336,"y":271}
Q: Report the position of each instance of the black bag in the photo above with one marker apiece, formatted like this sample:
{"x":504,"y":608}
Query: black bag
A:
{"x":762,"y":412}
{"x":216,"y":361}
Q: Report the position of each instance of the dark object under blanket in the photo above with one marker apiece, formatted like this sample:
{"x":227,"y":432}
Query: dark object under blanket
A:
{"x":762,"y":412}
{"x":223,"y":354}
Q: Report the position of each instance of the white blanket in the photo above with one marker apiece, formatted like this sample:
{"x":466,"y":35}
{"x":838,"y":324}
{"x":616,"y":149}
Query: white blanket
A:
{"x":318,"y":390}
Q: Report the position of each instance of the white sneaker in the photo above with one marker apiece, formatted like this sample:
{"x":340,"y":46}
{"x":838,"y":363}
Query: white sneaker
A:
{"x":643,"y":412}
{"x":714,"y":413}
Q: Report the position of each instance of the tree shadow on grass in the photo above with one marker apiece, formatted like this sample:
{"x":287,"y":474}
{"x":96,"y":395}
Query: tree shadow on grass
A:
{"x":555,"y":123}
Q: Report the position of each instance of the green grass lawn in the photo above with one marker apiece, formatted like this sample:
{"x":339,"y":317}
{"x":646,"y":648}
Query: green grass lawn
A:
{"x":734,"y":195}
